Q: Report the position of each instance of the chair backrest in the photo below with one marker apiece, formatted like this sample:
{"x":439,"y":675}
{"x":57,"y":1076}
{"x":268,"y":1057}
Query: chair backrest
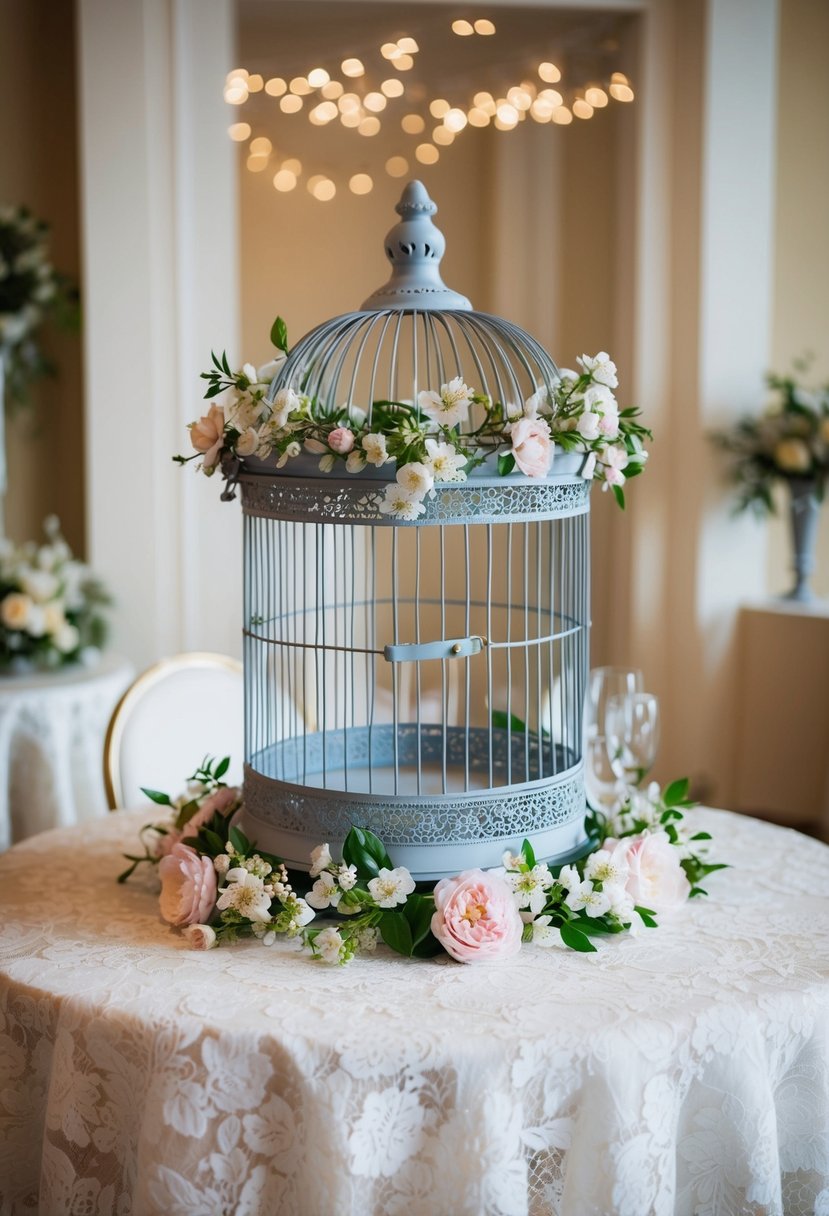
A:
{"x":174,"y":714}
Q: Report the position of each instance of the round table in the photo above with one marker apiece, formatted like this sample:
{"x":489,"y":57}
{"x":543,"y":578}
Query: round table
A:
{"x":685,"y":1071}
{"x":52,"y":727}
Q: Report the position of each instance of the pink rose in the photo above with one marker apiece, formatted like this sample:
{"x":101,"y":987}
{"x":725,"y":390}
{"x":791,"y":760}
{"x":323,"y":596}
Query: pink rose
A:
{"x":188,"y":886}
{"x":476,"y":917}
{"x":532,"y":446}
{"x":208,"y":435}
{"x":341,"y":440}
{"x":657,"y":880}
{"x":222,"y":800}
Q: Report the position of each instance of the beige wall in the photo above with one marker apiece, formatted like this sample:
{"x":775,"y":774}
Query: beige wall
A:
{"x":801,"y":261}
{"x":38,"y":168}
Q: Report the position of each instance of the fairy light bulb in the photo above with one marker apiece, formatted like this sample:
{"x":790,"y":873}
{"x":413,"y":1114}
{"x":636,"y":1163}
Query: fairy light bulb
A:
{"x":427,"y":154}
{"x":582,"y":108}
{"x":284,"y":180}
{"x":462,"y":28}
{"x":352,"y":67}
{"x":484,"y":27}
{"x":261,"y":146}
{"x":360,"y":183}
{"x":397,"y":166}
{"x":408,"y":46}
{"x":455,"y":120}
{"x":375,"y":103}
{"x":239,"y":131}
{"x":290,"y":104}
{"x":392,"y":88}
{"x":595,"y":97}
{"x":299,"y":86}
{"x":318,"y":77}
{"x":549,"y":73}
{"x":332,"y":90}
{"x":443,"y":136}
{"x":413,"y":124}
{"x":276,"y":86}
{"x":562,"y":116}
{"x":369,"y":126}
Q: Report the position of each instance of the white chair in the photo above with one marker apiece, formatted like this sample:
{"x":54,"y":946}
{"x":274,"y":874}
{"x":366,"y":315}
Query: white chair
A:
{"x":174,"y":714}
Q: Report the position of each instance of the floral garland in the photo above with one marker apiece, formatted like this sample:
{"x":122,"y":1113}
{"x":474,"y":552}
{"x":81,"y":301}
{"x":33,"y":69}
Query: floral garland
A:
{"x":576,"y":412}
{"x":789,"y":440}
{"x":50,"y":605}
{"x":216,"y":886}
{"x":30,"y":290}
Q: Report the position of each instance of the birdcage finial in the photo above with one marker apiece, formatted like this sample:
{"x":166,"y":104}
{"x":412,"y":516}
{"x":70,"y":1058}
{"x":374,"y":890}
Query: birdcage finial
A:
{"x":414,"y":246}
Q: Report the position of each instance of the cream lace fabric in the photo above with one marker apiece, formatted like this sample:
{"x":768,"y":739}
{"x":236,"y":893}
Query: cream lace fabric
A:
{"x":683,"y":1072}
{"x":52,"y":730}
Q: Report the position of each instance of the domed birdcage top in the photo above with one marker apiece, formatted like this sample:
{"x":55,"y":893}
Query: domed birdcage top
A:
{"x":414,"y":334}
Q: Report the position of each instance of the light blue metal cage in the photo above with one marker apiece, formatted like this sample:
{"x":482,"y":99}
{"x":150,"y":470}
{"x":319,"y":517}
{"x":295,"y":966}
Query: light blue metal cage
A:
{"x":421,"y":679}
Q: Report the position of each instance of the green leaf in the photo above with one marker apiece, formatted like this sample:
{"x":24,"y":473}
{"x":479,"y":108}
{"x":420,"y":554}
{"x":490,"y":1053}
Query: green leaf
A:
{"x":503,"y":721}
{"x":676,"y":792}
{"x":419,"y":910}
{"x":619,"y":495}
{"x":575,"y":939}
{"x":696,"y":891}
{"x":647,"y":917}
{"x":130,"y":870}
{"x":279,"y":335}
{"x":702,"y":836}
{"x":157,"y":796}
{"x":222,"y":767}
{"x":396,"y":932}
{"x":239,"y":840}
{"x":506,"y":464}
{"x":213,"y":391}
{"x":363,"y":850}
{"x":529,"y":853}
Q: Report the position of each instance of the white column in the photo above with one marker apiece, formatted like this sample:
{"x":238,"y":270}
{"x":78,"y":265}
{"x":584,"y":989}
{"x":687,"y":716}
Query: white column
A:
{"x":159,"y":228}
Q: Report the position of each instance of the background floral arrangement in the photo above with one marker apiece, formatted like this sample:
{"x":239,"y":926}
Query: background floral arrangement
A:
{"x":50,"y":604}
{"x":30,"y":291}
{"x":426,"y":439}
{"x":216,"y":886}
{"x":789,"y":440}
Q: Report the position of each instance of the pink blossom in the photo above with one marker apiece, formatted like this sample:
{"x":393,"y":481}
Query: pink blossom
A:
{"x":657,"y":879}
{"x":612,"y":461}
{"x":532,"y":446}
{"x":208,"y":435}
{"x":341,"y":440}
{"x":188,"y":886}
{"x":476,"y":917}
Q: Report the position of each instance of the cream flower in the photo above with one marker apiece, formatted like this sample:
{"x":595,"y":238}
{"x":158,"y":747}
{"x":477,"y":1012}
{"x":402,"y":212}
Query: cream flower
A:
{"x":207,"y":436}
{"x":247,"y":443}
{"x":607,"y":866}
{"x":53,"y":616}
{"x":15,"y":610}
{"x":588,"y":425}
{"x":545,"y":934}
{"x":416,"y":479}
{"x":532,"y":446}
{"x":356,"y":462}
{"x":327,"y":463}
{"x":329,"y":945}
{"x":347,"y":876}
{"x":325,"y":892}
{"x":444,"y":462}
{"x":400,"y":504}
{"x":792,"y":456}
{"x":612,"y":461}
{"x":585,"y":895}
{"x":391,"y":887}
{"x":67,"y":638}
{"x":291,"y":452}
{"x":530,"y":886}
{"x":374,"y":446}
{"x":200,"y":937}
{"x":320,"y":860}
{"x":284,"y":404}
{"x":246,"y":893}
{"x":601,"y":367}
{"x":39,"y":584}
{"x":450,"y":406}
{"x":538,"y":403}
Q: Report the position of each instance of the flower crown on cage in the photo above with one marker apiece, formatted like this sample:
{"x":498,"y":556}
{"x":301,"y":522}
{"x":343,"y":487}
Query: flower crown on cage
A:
{"x":447,"y":432}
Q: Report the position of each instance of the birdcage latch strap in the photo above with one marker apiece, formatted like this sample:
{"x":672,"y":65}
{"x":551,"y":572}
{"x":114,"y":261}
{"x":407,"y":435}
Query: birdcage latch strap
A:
{"x":444,"y":648}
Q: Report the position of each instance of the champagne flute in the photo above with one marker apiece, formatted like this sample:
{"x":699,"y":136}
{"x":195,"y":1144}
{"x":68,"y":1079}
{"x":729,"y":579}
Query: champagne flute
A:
{"x":604,"y":683}
{"x":632,"y":733}
{"x":605,"y":792}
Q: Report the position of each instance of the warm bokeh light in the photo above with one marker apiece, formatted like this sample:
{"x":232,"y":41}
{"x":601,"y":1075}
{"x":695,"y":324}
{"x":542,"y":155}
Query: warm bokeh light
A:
{"x":322,"y":188}
{"x":621,"y":92}
{"x":369,"y":126}
{"x":332,"y":90}
{"x":349,"y":103}
{"x":439,"y":107}
{"x":595,"y":97}
{"x":562,"y":116}
{"x":443,"y":136}
{"x":462,"y":28}
{"x":478,"y":117}
{"x":549,"y":73}
{"x":455,"y":120}
{"x":582,"y":108}
{"x":284,"y":180}
{"x":352,"y":67}
{"x":256,"y":83}
{"x":397,"y":166}
{"x":318,"y":77}
{"x":519,"y":98}
{"x":413,"y":124}
{"x":408,"y":46}
{"x":352,"y":118}
{"x":403,"y":63}
{"x":360,"y":183}
{"x":276,"y":86}
{"x":289,"y":104}
{"x":299,"y":86}
{"x":239,"y":131}
{"x":375,"y":103}
{"x":237,"y":95}
{"x":323,"y":113}
{"x":390,"y":50}
{"x":261,"y":146}
{"x":427,"y":154}
{"x":392,"y":88}
{"x":551,"y":96}
{"x":292,"y":165}
{"x":507,"y":113}
{"x":541,"y":110}
{"x":484,"y":27}
{"x":257,"y":163}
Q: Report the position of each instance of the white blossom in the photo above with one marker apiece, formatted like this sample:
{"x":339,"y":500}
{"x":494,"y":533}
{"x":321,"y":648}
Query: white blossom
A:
{"x":545,"y":934}
{"x":569,"y":877}
{"x":585,"y":895}
{"x":444,"y":462}
{"x":450,"y":406}
{"x":513,"y":861}
{"x":416,"y":479}
{"x":303,"y":912}
{"x":355,"y":462}
{"x":325,"y":892}
{"x":589,"y":466}
{"x":329,"y":945}
{"x":374,"y":446}
{"x":601,"y":367}
{"x":248,"y":442}
{"x":399,"y":504}
{"x":327,"y":463}
{"x":347,"y":877}
{"x":391,"y":887}
{"x":284,"y":404}
{"x":221,"y":864}
{"x":607,"y":866}
{"x":530,"y":886}
{"x":320,"y":860}
{"x":292,"y":450}
{"x":246,"y":893}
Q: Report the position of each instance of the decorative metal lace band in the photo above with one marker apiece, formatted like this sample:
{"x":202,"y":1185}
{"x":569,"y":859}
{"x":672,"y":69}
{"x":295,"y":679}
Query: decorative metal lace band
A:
{"x":467,"y":818}
{"x":478,"y":501}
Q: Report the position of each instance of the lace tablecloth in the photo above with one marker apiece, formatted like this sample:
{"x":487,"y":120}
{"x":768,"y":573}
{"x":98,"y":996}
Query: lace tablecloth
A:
{"x":686,"y":1071}
{"x":52,"y":728}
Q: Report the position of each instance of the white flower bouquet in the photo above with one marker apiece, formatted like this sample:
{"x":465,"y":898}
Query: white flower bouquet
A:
{"x":50,"y":605}
{"x":30,"y":291}
{"x":789,"y":441}
{"x":442,"y":437}
{"x":217,"y":887}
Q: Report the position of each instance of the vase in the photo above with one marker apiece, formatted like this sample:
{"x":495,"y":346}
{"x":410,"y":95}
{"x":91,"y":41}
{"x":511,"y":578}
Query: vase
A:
{"x":804,"y":510}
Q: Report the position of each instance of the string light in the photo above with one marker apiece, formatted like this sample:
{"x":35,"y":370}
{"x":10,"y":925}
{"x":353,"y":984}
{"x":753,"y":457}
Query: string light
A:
{"x":439,"y":107}
{"x":582,"y":108}
{"x":462,"y":28}
{"x":519,"y":98}
{"x":332,"y":90}
{"x":255,"y":83}
{"x":284,"y":180}
{"x":478,"y":117}
{"x":276,"y":86}
{"x":299,"y":86}
{"x":484,"y":27}
{"x":318,"y":77}
{"x":261,"y":146}
{"x":403,"y":63}
{"x":369,"y":126}
{"x":374,"y":102}
{"x":239,"y":131}
{"x":257,"y":163}
{"x":506,"y":113}
{"x":552,"y":96}
{"x":408,"y":46}
{"x":427,"y":154}
{"x":348,"y":103}
{"x":413,"y":124}
{"x":595,"y":97}
{"x":549,"y":73}
{"x":360,"y":183}
{"x":620,"y":89}
{"x":443,"y":136}
{"x":397,"y":166}
{"x":352,"y":67}
{"x":392,"y":88}
{"x":237,"y":94}
{"x":562,"y":116}
{"x":541,"y":110}
{"x":290,"y":104}
{"x":292,"y":165}
{"x":352,"y":118}
{"x":390,"y":50}
{"x":321,"y":187}
{"x":455,"y":120}
{"x":323,"y":113}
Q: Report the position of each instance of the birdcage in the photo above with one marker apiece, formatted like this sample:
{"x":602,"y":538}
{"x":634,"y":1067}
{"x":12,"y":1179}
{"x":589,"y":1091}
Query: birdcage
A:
{"x":423,"y":679}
